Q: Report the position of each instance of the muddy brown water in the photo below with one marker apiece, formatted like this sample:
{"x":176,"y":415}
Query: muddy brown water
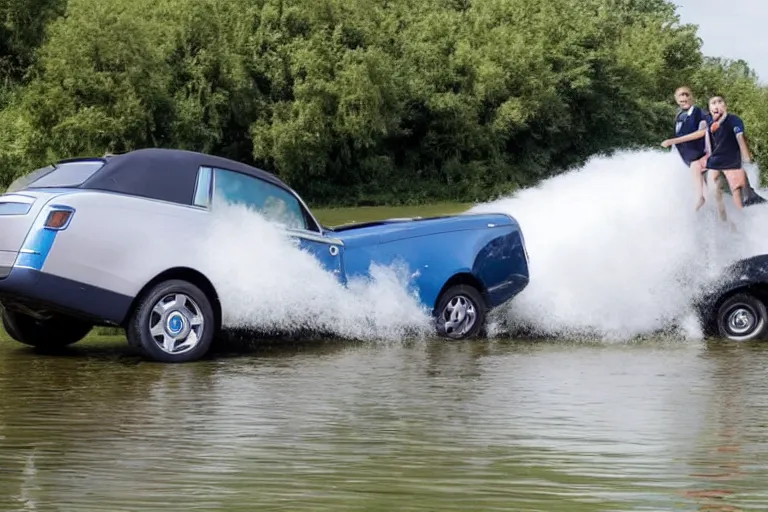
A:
{"x":336,"y":426}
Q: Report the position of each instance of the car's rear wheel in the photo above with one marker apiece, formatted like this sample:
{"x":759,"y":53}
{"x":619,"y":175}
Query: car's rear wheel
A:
{"x":460,"y":313}
{"x":174,"y":323}
{"x":742,"y":317}
{"x":53,"y":333}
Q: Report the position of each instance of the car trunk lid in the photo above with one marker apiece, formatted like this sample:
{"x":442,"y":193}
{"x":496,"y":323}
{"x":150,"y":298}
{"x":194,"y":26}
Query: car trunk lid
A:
{"x":18,"y":212}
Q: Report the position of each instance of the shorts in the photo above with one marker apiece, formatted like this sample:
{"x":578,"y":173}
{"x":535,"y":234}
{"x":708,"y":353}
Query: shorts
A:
{"x":736,"y":178}
{"x":700,"y":164}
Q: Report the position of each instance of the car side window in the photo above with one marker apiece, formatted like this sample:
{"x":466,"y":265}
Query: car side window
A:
{"x":273,"y":202}
{"x":203,"y":187}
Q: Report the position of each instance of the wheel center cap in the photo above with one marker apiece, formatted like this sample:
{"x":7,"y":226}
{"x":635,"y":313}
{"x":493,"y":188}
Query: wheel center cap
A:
{"x":175,"y":323}
{"x":741,"y":320}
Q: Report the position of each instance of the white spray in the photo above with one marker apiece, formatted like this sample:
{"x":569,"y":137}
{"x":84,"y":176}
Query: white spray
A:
{"x":617,"y":249}
{"x":267,"y":283}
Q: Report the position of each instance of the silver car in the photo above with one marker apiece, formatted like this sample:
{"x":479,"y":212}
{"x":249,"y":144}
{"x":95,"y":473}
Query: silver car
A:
{"x":79,"y":247}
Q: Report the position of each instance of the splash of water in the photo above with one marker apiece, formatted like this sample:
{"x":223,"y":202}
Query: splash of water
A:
{"x":267,"y":283}
{"x":618,"y":251}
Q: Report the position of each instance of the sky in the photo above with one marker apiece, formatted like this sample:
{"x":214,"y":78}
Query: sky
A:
{"x":733,"y":29}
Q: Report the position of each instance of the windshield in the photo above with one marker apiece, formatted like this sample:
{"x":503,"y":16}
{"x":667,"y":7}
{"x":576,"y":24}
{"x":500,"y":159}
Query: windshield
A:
{"x":68,"y":174}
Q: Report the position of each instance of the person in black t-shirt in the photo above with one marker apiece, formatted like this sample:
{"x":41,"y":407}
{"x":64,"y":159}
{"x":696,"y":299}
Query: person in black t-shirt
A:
{"x":729,"y":148}
{"x":690,"y":119}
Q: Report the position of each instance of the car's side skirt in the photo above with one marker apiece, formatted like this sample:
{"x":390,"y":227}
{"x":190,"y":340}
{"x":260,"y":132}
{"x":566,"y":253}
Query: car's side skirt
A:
{"x":34,"y":289}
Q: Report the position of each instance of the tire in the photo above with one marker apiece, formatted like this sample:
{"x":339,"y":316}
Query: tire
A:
{"x":189,"y":314}
{"x":54,"y":333}
{"x":742,"y":317}
{"x":462,"y":304}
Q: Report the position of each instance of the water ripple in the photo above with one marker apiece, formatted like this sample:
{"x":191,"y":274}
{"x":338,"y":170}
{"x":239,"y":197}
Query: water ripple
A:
{"x":421,"y":426}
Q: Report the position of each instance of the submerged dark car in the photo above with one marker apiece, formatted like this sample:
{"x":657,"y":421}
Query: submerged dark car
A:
{"x":734,"y":307}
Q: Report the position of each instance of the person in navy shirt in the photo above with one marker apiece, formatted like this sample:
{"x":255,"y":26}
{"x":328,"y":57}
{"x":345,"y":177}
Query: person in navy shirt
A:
{"x":691,"y":119}
{"x":728,"y":149}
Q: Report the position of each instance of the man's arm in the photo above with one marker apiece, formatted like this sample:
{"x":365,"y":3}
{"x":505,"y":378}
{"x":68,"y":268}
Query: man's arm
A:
{"x":738,"y":129}
{"x":744,"y":149}
{"x":685,"y":138}
{"x":707,"y":142}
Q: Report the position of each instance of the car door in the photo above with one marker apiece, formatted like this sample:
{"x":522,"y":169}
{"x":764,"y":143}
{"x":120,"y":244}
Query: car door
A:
{"x":276,"y":204}
{"x":327,"y":250}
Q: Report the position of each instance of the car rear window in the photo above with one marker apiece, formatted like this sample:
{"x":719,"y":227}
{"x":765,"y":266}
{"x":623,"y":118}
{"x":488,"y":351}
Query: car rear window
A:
{"x":68,"y":174}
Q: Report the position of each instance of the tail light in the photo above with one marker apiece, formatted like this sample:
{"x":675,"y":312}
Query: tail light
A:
{"x":59,"y":217}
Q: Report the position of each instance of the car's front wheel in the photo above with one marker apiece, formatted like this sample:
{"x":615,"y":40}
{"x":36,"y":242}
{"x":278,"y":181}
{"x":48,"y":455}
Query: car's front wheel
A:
{"x":742,"y":317}
{"x":174,"y":323}
{"x":460,"y":313}
{"x":53,"y":333}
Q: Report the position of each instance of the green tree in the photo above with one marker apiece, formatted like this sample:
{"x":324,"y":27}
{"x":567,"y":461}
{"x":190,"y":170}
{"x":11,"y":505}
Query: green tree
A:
{"x":361,"y":101}
{"x":22,"y":31}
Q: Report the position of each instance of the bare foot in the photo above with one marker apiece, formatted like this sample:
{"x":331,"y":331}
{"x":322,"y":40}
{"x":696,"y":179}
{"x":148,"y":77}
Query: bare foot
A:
{"x":700,"y":204}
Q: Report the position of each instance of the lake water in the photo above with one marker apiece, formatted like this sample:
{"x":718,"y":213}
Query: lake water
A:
{"x":335,"y":426}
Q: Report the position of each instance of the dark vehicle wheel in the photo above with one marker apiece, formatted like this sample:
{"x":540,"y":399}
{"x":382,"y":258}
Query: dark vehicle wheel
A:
{"x":174,"y":323}
{"x":460,"y":313}
{"x":53,"y":333}
{"x":742,"y":317}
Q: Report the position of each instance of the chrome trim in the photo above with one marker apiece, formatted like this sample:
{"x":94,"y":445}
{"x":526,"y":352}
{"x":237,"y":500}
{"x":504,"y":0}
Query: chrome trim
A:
{"x":312,"y":235}
{"x":58,"y":208}
{"x":209,"y":184}
{"x":16,"y":198}
{"x":133,"y":196}
{"x":212,"y":189}
{"x":309,"y":212}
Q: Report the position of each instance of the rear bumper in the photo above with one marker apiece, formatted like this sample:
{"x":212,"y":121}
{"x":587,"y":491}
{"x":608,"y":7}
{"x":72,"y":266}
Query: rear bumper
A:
{"x":37,"y":290}
{"x":502,"y":266}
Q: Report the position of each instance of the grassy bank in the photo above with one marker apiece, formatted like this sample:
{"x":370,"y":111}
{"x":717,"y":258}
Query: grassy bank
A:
{"x":337,"y":216}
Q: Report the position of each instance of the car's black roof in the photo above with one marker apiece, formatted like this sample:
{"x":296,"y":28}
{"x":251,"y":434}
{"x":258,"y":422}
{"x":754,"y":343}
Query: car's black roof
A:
{"x":166,"y":174}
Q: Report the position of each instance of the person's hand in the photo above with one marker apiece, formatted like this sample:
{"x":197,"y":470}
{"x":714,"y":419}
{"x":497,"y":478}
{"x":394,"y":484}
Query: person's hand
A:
{"x":666,"y":144}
